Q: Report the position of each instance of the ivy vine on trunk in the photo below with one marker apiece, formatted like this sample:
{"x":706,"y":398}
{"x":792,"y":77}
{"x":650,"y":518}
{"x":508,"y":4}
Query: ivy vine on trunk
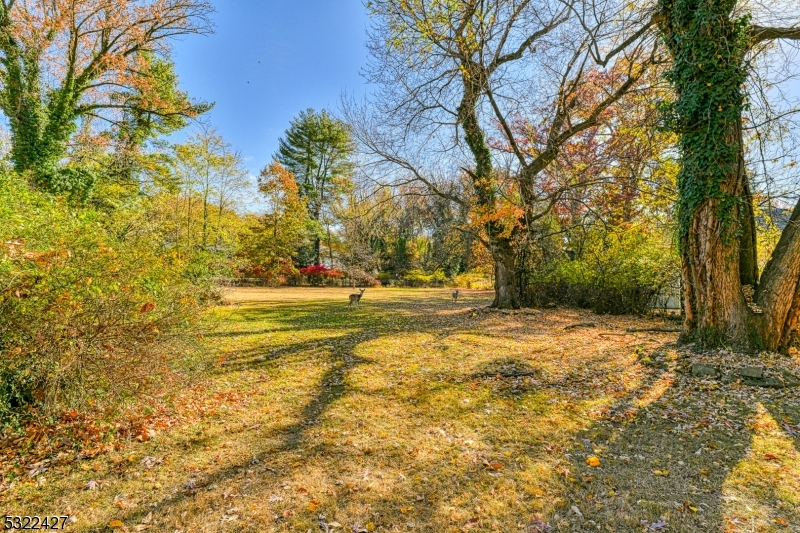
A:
{"x":62,"y":69}
{"x":725,"y":300}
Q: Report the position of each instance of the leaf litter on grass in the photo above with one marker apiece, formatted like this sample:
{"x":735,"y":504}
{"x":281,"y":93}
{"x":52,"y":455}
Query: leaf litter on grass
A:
{"x":416,"y":414}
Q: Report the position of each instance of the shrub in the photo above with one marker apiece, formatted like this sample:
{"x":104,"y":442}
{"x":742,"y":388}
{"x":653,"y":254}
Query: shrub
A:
{"x":316,"y":273}
{"x":473,"y":280}
{"x":362,"y":278}
{"x":92,"y":305}
{"x":418,"y":277}
{"x":619,"y":271}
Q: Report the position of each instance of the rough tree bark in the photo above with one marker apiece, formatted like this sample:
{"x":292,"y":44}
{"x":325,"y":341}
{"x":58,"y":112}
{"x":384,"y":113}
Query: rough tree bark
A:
{"x":726,"y":302}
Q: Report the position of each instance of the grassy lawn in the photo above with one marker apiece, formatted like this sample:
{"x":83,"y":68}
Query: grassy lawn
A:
{"x":413,"y":413}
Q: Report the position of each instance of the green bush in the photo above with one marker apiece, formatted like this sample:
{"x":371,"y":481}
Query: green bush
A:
{"x":92,"y":304}
{"x":473,"y":280}
{"x":418,"y":277}
{"x":618,"y":271}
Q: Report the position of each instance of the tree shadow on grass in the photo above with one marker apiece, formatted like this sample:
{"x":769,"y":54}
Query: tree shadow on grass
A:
{"x":339,"y":358}
{"x":669,"y":461}
{"x":332,"y":386}
{"x":474,"y":445}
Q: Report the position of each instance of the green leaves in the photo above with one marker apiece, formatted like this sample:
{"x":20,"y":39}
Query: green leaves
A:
{"x":317,"y":149}
{"x":708,"y":46}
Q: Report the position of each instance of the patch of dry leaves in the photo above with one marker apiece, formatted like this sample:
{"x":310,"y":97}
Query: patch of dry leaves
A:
{"x":417,"y":414}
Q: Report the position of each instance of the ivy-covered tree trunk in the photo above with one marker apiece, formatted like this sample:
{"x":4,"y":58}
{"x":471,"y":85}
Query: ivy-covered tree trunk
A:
{"x":506,"y":291}
{"x":725,"y":301}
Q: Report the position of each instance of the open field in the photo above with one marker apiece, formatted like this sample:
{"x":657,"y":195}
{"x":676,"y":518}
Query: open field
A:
{"x":413,"y":413}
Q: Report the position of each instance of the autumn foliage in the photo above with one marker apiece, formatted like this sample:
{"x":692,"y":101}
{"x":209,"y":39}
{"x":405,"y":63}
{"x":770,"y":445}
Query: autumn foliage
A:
{"x":321,"y":271}
{"x":70,"y":62}
{"x":87,"y":317}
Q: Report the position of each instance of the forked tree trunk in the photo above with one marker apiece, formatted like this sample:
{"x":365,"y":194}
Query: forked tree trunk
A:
{"x":725,"y":301}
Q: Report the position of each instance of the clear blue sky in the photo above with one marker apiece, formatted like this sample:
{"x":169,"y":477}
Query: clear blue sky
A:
{"x":310,"y":51}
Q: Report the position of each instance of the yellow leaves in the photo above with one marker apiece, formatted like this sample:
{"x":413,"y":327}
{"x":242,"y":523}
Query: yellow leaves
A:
{"x":662,"y":473}
{"x":313,"y":505}
{"x":370,"y":526}
{"x":116,"y":524}
{"x":593,"y":461}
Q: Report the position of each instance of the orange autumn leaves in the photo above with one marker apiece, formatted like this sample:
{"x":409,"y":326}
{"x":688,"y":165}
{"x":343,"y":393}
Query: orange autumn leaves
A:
{"x":90,"y":55}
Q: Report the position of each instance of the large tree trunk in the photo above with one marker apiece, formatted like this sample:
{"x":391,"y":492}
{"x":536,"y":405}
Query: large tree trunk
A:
{"x":317,"y":250}
{"x":725,"y":302}
{"x":778,"y":296}
{"x":506,"y":294}
{"x":506,"y":291}
{"x":718,"y":259}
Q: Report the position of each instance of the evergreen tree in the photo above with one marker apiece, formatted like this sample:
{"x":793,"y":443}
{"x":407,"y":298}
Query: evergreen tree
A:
{"x":317,"y":149}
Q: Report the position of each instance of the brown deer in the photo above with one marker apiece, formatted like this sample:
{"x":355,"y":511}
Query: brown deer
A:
{"x":455,"y":296}
{"x":356,"y":298}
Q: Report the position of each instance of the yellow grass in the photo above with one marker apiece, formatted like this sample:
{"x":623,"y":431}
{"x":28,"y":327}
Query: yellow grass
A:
{"x":413,"y":413}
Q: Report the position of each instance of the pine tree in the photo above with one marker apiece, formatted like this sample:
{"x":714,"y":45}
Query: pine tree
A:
{"x":317,"y":149}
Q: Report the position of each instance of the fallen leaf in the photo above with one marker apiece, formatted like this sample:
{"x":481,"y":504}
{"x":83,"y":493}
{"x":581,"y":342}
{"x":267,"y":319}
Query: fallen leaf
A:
{"x":593,"y":461}
{"x":539,"y":526}
{"x":115,"y":524}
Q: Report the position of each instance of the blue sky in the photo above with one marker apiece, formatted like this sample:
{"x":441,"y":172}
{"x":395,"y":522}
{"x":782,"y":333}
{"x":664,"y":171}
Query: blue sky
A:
{"x":310,"y":51}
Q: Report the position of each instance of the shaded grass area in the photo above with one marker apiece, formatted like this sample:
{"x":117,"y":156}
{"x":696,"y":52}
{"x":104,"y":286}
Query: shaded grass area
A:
{"x":413,"y":413}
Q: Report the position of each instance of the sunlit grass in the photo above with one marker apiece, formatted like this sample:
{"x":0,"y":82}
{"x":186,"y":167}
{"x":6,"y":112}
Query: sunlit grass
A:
{"x":416,"y":414}
{"x":762,"y":492}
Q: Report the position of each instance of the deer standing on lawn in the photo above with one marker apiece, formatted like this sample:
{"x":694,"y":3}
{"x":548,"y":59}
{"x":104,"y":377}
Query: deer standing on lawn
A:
{"x":356,"y":298}
{"x":455,"y":296}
